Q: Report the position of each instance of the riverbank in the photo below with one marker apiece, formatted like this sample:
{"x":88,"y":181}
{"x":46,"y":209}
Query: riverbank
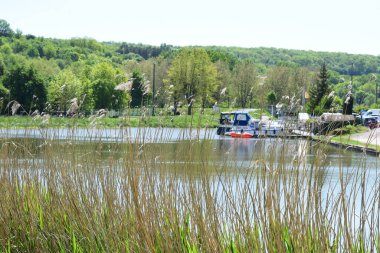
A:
{"x":368,"y":142}
{"x":206,"y":120}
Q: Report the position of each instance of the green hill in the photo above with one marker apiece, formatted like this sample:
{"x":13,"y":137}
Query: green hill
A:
{"x":84,"y":67}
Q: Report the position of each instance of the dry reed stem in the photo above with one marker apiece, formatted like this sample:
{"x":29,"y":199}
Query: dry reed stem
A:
{"x":68,"y":195}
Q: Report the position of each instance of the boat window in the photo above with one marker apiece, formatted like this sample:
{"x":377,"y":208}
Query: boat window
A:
{"x":241,"y":117}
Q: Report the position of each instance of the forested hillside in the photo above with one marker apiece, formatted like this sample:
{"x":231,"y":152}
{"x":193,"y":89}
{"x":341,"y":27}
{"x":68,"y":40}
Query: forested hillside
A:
{"x":82,"y":74}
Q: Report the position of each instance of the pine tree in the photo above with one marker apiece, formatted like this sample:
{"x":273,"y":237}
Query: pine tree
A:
{"x":320,"y":100}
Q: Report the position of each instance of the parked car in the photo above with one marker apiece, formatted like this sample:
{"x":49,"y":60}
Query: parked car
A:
{"x":370,"y":115}
{"x":371,"y":120}
{"x":373,"y":125}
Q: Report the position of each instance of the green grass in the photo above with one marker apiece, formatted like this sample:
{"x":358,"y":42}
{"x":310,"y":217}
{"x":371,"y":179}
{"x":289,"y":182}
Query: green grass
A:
{"x":349,"y":129}
{"x":343,"y":136}
{"x":207,"y":119}
{"x":346,"y":140}
{"x":181,"y":121}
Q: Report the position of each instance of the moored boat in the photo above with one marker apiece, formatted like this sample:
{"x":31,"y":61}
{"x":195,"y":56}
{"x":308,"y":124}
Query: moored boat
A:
{"x":241,"y":135}
{"x":240,"y":124}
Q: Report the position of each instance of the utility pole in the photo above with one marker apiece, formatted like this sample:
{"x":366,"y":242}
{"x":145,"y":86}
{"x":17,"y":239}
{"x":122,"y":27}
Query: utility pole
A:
{"x":373,"y":78}
{"x":154,"y":88}
{"x":352,"y":71}
{"x":352,"y":81}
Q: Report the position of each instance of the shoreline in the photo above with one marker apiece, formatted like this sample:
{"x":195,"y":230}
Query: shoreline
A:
{"x":356,"y":148}
{"x":367,"y":142}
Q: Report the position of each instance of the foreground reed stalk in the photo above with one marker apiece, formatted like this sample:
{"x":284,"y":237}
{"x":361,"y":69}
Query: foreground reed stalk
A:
{"x":134,"y":196}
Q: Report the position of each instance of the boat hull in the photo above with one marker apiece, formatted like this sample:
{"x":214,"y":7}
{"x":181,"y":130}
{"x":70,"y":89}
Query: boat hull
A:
{"x":241,"y":135}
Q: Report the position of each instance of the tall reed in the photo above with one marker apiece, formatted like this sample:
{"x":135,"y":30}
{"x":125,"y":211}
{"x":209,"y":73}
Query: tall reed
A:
{"x":165,"y":192}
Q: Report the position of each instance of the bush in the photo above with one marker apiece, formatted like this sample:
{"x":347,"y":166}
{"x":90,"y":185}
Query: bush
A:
{"x":348,"y":129}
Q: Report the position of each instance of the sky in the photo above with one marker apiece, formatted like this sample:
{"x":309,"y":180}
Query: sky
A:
{"x":350,"y":26}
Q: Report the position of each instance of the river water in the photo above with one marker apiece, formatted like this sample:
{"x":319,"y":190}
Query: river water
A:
{"x":239,"y":150}
{"x":164,"y":145}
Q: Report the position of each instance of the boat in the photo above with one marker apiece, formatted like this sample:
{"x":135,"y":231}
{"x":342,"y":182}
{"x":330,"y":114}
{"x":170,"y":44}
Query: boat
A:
{"x":226,"y":122}
{"x":242,"y":135}
{"x":234,"y":121}
{"x":240,"y":124}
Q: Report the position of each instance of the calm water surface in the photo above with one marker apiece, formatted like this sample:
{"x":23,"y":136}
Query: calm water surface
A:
{"x":170,"y":146}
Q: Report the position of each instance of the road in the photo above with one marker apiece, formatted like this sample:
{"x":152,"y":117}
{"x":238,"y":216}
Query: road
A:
{"x":371,"y":137}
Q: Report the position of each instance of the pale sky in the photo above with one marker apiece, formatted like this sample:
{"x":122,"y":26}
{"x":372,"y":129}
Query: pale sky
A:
{"x":351,"y":26}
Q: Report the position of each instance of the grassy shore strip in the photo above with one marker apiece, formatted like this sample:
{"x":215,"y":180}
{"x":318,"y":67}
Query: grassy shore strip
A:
{"x":345,"y":141}
{"x":342,"y":138}
{"x":348,"y":143}
{"x":205,"y":119}
{"x":181,"y":121}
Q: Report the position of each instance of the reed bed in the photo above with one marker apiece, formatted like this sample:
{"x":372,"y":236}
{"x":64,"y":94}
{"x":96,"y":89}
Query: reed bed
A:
{"x":162,"y":192}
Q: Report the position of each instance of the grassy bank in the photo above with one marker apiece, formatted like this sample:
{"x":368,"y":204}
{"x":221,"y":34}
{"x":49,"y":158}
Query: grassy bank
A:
{"x":345,"y":138}
{"x":62,"y":196}
{"x":206,"y":120}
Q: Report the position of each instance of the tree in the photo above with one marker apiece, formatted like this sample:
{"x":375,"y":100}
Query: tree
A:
{"x":4,"y":95}
{"x":298,"y":83}
{"x":5,"y":29}
{"x":65,"y":87}
{"x":49,"y":51}
{"x":245,"y":79}
{"x":223,"y":89}
{"x":193,"y":76}
{"x":320,"y":93}
{"x":26,"y":87}
{"x":2,"y":66}
{"x":47,"y":69}
{"x":104,"y":79}
{"x":162,"y":66}
{"x":271,"y":98}
{"x":279,"y":81}
{"x":137,"y":91}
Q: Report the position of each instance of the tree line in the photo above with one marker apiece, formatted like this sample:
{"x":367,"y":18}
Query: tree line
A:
{"x":82,"y":74}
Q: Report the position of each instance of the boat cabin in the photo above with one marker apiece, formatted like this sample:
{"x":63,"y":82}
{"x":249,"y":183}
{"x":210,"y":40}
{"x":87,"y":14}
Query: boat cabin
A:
{"x":241,"y":119}
{"x":229,"y":120}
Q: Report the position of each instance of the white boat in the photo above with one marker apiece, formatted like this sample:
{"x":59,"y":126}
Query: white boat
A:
{"x":242,"y":122}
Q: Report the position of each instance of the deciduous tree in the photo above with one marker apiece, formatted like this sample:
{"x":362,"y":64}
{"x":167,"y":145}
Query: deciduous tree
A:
{"x":245,"y":81}
{"x":278,"y":81}
{"x":223,"y":93}
{"x":5,"y":29}
{"x":64,"y":88}
{"x":193,"y":76}
{"x":26,"y":87}
{"x":104,"y":78}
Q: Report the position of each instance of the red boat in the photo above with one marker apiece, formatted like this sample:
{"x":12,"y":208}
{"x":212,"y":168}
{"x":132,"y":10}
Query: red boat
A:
{"x":241,"y":135}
